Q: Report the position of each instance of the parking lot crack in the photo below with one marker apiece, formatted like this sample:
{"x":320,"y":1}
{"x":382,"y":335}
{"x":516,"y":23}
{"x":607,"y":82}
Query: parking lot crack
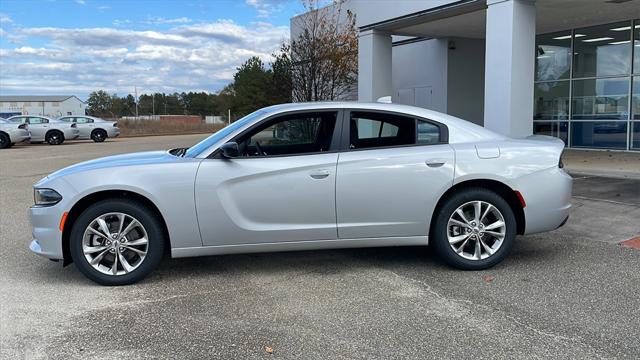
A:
{"x":485,"y":309}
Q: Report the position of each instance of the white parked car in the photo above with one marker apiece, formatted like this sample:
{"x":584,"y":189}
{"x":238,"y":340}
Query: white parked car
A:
{"x":43,"y":128}
{"x":93,"y":128}
{"x":12,"y":133}
{"x":301,"y":177}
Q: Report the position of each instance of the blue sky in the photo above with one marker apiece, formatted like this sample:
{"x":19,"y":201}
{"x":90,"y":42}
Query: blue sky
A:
{"x":77,"y":46}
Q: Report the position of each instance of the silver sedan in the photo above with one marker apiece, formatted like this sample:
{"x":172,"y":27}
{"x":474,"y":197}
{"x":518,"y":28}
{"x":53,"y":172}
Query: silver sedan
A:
{"x":43,"y":128}
{"x":92,"y":127}
{"x":11,"y":133}
{"x":306,"y":176}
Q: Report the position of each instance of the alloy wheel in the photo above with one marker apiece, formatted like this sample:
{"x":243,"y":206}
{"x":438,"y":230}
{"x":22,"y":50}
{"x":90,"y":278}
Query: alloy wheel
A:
{"x":115,"y":243}
{"x":476,"y":230}
{"x":54,"y":139}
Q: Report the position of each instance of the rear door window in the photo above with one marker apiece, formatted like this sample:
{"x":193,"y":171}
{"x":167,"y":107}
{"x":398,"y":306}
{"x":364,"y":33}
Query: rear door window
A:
{"x":37,"y":120}
{"x":373,"y":130}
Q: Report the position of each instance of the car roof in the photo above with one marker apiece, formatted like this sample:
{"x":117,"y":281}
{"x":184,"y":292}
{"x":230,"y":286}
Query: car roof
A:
{"x":459,"y":130}
{"x":39,"y":116}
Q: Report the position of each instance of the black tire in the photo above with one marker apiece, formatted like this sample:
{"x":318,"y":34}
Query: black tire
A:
{"x":439,"y":229}
{"x":152,"y":225}
{"x":54,"y":137}
{"x":98,"y":135}
{"x":5,"y":141}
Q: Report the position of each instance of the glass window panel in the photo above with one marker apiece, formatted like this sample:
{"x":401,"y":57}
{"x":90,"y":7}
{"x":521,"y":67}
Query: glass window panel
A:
{"x":552,"y":128}
{"x":551,"y":100}
{"x":371,"y":130}
{"x":428,"y":133}
{"x":553,"y":56}
{"x":602,"y":50}
{"x":599,"y":134}
{"x":635,"y":135}
{"x":635,"y":105}
{"x":289,"y":135}
{"x":636,"y":51}
{"x":600,"y":99}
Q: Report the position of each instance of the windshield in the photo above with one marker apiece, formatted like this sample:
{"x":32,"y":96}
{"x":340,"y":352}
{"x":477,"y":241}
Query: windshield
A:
{"x":196,"y":149}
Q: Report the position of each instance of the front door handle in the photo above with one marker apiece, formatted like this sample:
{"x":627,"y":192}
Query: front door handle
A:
{"x":319,"y":174}
{"x":435,"y":162}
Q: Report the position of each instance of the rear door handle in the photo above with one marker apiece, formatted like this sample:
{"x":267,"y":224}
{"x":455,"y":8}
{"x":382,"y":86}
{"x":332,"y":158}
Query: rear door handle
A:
{"x":435,"y":162}
{"x":319,"y":174}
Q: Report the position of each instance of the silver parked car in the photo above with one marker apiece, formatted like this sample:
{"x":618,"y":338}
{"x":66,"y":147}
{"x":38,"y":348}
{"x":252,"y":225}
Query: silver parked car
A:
{"x":43,"y":128}
{"x":93,"y":128}
{"x":11,"y":133}
{"x":306,"y":176}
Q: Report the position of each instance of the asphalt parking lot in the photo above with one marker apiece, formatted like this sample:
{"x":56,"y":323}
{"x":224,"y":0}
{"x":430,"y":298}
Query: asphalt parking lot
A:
{"x":572,"y":293}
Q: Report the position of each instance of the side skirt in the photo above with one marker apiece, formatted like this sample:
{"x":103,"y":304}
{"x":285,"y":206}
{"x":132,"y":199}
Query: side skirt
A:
{"x":299,"y":246}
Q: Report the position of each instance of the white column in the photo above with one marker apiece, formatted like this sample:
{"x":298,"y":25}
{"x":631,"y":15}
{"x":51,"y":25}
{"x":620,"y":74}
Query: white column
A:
{"x":374,"y":65}
{"x":509,"y":67}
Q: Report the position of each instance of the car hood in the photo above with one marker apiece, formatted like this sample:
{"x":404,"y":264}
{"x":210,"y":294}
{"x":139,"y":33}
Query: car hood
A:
{"x":140,"y":158}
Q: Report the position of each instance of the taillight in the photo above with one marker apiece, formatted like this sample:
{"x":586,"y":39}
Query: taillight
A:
{"x":560,"y":163}
{"x":74,"y":125}
{"x":23,"y":126}
{"x":115,"y":124}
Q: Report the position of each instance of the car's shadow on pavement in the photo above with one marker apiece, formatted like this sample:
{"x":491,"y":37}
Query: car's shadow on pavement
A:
{"x":526,"y":251}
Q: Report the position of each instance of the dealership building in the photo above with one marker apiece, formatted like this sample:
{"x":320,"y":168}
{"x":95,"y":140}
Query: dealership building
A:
{"x":46,"y":105}
{"x":566,"y":68}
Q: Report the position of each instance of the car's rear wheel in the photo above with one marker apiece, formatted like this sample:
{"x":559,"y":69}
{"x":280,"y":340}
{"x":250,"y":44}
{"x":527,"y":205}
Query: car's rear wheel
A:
{"x":98,"y":135}
{"x":5,"y":141}
{"x":117,"y":242}
{"x":474,"y":229}
{"x":54,"y":137}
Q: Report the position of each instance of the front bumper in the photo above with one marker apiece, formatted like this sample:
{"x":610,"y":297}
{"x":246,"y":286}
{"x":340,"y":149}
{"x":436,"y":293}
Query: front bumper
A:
{"x":47,"y":237}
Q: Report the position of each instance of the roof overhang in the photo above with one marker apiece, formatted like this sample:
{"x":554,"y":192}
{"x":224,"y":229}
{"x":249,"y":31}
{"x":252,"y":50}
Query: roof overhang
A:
{"x":467,"y":18}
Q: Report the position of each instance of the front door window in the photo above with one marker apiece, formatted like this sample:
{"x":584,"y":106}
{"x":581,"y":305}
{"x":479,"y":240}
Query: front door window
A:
{"x":303,"y":133}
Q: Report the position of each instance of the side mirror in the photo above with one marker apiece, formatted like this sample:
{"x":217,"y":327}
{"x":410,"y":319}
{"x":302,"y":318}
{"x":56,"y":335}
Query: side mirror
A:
{"x":230,"y":150}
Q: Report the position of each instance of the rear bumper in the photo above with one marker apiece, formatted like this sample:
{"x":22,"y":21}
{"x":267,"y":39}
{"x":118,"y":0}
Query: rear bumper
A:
{"x":548,"y":197}
{"x":113,"y":132}
{"x":19,"y":136}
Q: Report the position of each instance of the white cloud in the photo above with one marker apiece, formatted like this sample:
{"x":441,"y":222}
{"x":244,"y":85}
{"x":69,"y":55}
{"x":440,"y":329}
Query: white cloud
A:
{"x":162,"y":21}
{"x":266,"y":7}
{"x":5,"y":19}
{"x":102,"y":37}
{"x":81,"y":2}
{"x":183,"y":58}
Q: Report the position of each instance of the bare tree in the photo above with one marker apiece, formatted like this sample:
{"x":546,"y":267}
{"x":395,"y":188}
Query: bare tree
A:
{"x":324,"y":54}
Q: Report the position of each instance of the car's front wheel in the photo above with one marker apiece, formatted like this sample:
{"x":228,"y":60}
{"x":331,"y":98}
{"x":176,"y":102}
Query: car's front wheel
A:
{"x":117,"y":242}
{"x":474,"y":229}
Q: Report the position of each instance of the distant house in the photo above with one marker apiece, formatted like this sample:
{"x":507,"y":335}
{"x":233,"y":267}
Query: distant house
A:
{"x":47,"y":105}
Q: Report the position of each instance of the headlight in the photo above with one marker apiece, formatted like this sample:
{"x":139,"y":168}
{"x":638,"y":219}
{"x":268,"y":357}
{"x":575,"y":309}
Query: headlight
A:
{"x":46,"y":197}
